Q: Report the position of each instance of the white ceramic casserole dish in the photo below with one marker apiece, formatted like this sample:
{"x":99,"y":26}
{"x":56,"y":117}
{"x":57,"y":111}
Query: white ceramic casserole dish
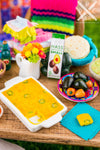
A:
{"x":33,"y":128}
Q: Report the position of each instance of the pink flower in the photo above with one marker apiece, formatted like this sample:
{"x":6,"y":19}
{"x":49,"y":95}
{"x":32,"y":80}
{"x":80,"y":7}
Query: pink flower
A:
{"x":42,"y":54}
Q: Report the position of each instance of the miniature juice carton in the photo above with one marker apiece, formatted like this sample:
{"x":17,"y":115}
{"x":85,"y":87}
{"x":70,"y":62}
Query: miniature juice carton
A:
{"x":55,"y":56}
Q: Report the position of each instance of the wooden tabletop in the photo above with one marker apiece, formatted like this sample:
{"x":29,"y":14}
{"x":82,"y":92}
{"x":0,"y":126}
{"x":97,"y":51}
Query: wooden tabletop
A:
{"x":12,"y":128}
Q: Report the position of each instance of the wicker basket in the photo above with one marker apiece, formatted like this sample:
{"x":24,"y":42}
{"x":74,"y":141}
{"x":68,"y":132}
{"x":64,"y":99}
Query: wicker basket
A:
{"x":79,"y":25}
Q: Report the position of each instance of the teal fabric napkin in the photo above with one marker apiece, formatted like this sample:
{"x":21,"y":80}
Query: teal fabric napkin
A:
{"x":86,"y":132}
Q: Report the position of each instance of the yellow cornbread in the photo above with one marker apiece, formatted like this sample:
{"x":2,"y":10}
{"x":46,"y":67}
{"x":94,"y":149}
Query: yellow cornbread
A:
{"x":33,"y":100}
{"x":84,"y":119}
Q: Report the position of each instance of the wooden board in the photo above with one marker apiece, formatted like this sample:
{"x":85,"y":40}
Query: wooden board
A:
{"x":12,"y":128}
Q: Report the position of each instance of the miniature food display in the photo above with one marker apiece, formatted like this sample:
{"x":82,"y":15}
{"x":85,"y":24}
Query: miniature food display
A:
{"x":70,"y":91}
{"x":78,"y":89}
{"x":66,"y":64}
{"x":80,"y":75}
{"x":56,"y":53}
{"x":64,"y":71}
{"x":33,"y":100}
{"x":44,"y":70}
{"x":89,"y":84}
{"x":80,"y":93}
{"x":80,"y":84}
{"x":67,"y":82}
{"x":96,"y":66}
{"x":76,"y":85}
{"x":77,"y":47}
{"x":84,"y":119}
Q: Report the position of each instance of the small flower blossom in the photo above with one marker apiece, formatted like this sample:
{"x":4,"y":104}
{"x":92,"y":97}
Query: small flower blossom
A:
{"x":29,"y":46}
{"x":33,"y":52}
{"x":27,"y":54}
{"x":42,"y":54}
{"x":24,"y":48}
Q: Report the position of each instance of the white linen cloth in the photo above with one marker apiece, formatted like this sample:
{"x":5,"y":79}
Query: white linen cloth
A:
{"x":9,"y":146}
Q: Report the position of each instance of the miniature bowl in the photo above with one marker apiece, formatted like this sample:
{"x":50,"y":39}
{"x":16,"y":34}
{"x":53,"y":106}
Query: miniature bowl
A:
{"x":1,"y":111}
{"x":89,"y":58}
{"x":93,"y":74}
{"x":3,"y":67}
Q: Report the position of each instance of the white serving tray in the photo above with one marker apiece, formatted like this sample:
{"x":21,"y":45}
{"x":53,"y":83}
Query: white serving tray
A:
{"x":33,"y":128}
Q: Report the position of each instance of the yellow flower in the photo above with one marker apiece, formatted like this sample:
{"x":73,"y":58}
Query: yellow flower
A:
{"x":27,"y":54}
{"x":25,"y":48}
{"x":42,"y":49}
{"x":35,"y":50}
{"x":29,"y":46}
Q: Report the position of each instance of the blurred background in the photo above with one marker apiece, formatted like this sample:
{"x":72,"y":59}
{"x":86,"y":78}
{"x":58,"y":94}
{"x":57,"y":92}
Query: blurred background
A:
{"x":11,"y":8}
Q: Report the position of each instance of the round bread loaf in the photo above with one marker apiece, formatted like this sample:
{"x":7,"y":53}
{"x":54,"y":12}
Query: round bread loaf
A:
{"x":77,"y":47}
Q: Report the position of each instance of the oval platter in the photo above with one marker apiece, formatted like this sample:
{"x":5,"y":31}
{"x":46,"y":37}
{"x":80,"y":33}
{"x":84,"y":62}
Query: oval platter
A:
{"x":89,"y":94}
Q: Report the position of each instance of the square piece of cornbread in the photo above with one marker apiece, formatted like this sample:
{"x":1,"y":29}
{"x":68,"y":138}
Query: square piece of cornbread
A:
{"x":84,"y":119}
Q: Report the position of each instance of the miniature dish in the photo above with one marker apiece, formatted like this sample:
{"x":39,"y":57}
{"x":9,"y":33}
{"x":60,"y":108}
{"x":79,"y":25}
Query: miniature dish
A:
{"x":44,"y":114}
{"x":2,"y":68}
{"x":94,"y":68}
{"x":89,"y":57}
{"x":1,"y":111}
{"x":90,"y":93}
{"x":77,"y":47}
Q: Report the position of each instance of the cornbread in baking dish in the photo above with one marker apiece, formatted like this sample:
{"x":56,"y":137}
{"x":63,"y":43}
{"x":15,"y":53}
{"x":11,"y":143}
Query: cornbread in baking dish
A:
{"x":84,"y":119}
{"x":77,"y":47}
{"x":31,"y":99}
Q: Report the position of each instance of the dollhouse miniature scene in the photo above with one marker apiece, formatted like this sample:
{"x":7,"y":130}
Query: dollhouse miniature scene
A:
{"x":49,"y":74}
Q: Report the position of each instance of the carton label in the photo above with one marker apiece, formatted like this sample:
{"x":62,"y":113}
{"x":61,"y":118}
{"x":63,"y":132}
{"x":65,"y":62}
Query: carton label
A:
{"x":55,"y":56}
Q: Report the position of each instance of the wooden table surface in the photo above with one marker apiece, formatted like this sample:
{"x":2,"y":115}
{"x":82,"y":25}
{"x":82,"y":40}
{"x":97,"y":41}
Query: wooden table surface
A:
{"x":12,"y":128}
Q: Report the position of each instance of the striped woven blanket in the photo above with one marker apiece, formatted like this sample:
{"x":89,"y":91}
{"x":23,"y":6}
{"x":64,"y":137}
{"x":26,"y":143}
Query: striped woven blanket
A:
{"x":54,"y":15}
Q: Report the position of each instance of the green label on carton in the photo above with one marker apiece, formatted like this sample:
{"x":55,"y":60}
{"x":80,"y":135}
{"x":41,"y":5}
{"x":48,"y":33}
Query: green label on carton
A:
{"x":59,"y":36}
{"x":56,"y":55}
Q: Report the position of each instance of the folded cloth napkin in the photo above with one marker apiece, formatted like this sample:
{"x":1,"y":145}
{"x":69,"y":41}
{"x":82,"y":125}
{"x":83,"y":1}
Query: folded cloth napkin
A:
{"x":86,"y":132}
{"x":9,"y":146}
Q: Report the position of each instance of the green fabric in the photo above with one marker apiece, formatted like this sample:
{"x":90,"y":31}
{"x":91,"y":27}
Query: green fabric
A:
{"x":54,"y":19}
{"x":46,"y":22}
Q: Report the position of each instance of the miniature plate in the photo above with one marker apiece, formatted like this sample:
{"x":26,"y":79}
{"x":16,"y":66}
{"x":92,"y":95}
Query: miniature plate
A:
{"x":90,"y":93}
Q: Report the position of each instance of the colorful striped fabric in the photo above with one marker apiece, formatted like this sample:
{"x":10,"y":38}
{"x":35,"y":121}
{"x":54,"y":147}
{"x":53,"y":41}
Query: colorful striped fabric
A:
{"x":54,"y":15}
